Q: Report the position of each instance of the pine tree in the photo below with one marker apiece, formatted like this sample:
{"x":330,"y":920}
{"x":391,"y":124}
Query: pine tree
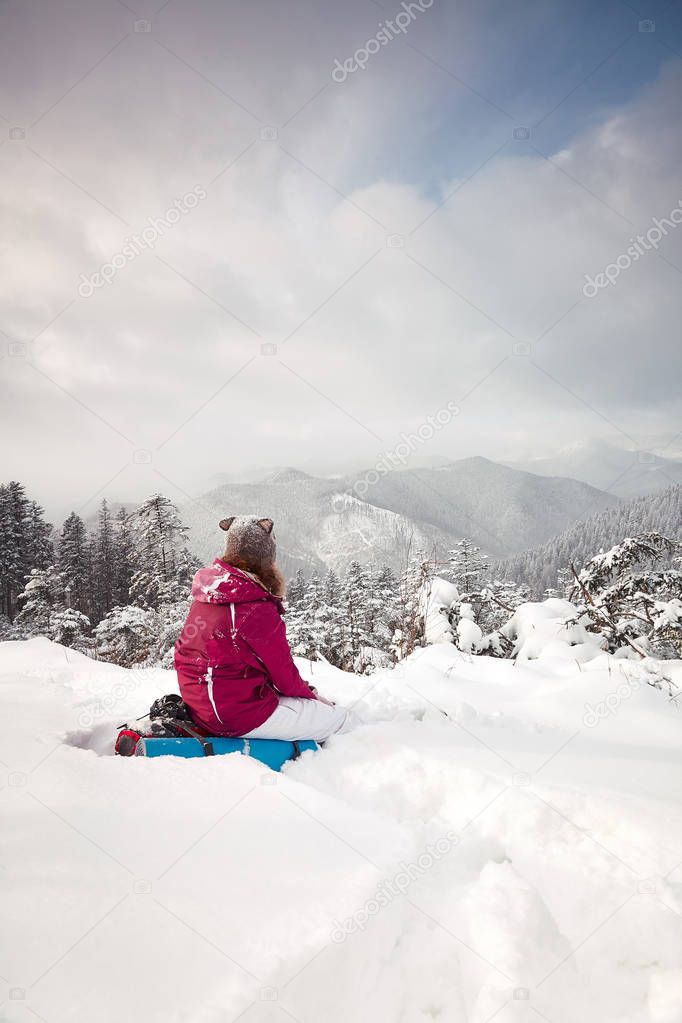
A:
{"x":384,"y":607}
{"x":73,"y":563}
{"x":330,"y":625}
{"x":349,"y":623}
{"x":357,"y":617}
{"x":150,"y":578}
{"x":467,"y":567}
{"x":14,"y":562}
{"x":122,"y":559}
{"x":39,"y":546}
{"x":10,"y":558}
{"x":41,"y":598}
{"x":162,"y":564}
{"x":70,"y":628}
{"x":302,"y":624}
{"x":103,"y":558}
{"x":296,"y":588}
{"x":24,"y":543}
{"x":332,"y":591}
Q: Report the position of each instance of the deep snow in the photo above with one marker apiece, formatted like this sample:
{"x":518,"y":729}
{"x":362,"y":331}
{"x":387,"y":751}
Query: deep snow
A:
{"x":518,"y":858}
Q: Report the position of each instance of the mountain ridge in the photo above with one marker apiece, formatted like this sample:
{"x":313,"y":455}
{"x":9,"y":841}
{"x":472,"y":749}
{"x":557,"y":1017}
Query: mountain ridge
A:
{"x":618,"y":470}
{"x":326,"y":522}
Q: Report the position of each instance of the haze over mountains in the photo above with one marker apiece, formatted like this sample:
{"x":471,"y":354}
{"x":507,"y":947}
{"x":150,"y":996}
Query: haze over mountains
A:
{"x":608,"y":467}
{"x":328,"y":520}
{"x":324,"y":522}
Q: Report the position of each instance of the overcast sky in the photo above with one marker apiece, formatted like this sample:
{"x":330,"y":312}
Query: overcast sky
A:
{"x":346,"y":256}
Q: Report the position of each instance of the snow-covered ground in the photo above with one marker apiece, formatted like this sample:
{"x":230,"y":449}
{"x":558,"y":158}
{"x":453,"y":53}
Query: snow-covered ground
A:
{"x":485,"y":847}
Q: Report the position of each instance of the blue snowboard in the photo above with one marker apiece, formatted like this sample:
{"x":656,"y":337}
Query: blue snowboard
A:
{"x":274,"y":753}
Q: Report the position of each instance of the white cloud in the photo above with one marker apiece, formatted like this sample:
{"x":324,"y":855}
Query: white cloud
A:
{"x":373,"y":350}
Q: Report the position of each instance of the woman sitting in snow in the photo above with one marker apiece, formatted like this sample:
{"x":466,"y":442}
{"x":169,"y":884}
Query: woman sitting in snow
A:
{"x":234,"y":665}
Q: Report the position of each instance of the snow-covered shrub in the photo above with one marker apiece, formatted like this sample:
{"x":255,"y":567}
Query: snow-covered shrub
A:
{"x":481,"y":605}
{"x":170,"y":620}
{"x":471,"y":619}
{"x":630,"y":600}
{"x":437,"y":598}
{"x":70,"y":628}
{"x":128,"y":635}
{"x":133,"y":635}
{"x":666,"y":635}
{"x":371,"y":658}
{"x":469,"y":634}
{"x":410,"y":616}
{"x":551,"y":628}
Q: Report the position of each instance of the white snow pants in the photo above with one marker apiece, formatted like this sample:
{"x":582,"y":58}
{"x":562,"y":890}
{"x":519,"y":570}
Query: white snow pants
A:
{"x":296,"y":718}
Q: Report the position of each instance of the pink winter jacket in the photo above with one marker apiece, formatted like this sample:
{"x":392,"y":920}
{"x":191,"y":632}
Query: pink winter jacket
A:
{"x":232,"y":657}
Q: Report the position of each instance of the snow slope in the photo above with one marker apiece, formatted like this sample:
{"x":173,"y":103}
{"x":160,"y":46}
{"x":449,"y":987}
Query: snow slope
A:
{"x":516,"y":858}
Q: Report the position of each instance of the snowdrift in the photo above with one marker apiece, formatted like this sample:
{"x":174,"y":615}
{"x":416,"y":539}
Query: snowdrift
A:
{"x":497,"y":840}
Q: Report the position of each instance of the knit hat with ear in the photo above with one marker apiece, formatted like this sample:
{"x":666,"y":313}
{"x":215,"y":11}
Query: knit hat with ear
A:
{"x":249,"y":539}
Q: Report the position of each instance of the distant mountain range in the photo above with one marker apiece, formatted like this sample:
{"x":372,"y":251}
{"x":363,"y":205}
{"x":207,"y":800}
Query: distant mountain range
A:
{"x":323,"y":522}
{"x":611,"y":468}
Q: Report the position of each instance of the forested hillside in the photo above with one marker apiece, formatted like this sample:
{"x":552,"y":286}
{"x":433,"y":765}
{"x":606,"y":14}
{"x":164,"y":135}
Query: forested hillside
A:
{"x":539,"y":568}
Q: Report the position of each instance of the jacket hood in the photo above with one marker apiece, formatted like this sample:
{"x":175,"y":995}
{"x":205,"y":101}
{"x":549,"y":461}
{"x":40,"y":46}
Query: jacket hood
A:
{"x":221,"y":583}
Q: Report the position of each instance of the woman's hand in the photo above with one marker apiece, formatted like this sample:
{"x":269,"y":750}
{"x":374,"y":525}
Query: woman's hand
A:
{"x":322,"y":699}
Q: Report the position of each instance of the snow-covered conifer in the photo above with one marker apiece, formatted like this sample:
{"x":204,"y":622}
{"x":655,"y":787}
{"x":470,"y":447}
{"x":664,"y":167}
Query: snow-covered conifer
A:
{"x":467,"y":566}
{"x":162,"y":564}
{"x":70,"y":628}
{"x":631,"y":597}
{"x":122,"y":559}
{"x":73,"y":562}
{"x":41,"y":598}
{"x":128,"y":635}
{"x":103,"y":559}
